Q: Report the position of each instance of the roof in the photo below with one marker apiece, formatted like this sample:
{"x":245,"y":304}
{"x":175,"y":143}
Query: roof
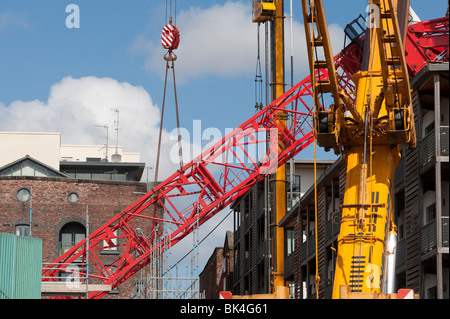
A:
{"x":422,"y":75}
{"x":136,"y":168}
{"x":229,"y":239}
{"x":29,"y":166}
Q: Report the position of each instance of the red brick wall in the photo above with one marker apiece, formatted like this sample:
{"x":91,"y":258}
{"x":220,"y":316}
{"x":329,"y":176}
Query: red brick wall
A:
{"x":52,"y":210}
{"x":211,"y":274}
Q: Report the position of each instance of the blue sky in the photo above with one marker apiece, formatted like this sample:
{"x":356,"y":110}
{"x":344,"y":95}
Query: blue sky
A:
{"x":53,"y":78}
{"x":38,"y":51}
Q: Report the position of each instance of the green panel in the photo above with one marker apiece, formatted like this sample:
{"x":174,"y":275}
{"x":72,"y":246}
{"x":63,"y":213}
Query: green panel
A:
{"x":7,"y":257}
{"x":20,"y":267}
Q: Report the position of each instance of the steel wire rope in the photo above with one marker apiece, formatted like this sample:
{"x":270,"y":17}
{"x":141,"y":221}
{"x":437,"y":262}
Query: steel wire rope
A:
{"x":317,"y":277}
{"x":258,"y":76}
{"x":169,"y":57}
{"x":169,"y":11}
{"x":201,"y":241}
{"x":389,"y":222}
{"x":367,"y":88}
{"x":161,"y":125}
{"x":180,"y":145}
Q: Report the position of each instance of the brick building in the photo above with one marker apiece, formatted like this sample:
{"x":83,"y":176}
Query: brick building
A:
{"x":225,"y":282}
{"x":39,"y":200}
{"x":210,"y":275}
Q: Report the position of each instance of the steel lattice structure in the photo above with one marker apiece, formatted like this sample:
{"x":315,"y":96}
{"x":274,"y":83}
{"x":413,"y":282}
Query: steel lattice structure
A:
{"x":209,"y":183}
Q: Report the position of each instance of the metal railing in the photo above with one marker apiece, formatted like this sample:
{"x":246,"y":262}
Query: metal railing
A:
{"x":426,"y":148}
{"x":444,"y":141}
{"x":401,"y":253}
{"x":427,"y":145}
{"x":445,"y":231}
{"x":428,"y":237}
{"x":71,"y":273}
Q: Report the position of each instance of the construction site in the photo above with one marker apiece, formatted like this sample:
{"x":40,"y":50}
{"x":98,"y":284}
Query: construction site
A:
{"x":367,"y":221}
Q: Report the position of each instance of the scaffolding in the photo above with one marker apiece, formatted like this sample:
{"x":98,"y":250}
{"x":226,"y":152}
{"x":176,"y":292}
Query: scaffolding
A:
{"x":164,"y":280}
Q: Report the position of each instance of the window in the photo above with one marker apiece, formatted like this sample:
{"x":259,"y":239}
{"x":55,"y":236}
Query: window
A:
{"x":111,"y":245}
{"x":290,"y":202}
{"x":290,"y":241}
{"x":430,"y":213}
{"x":23,"y":195}
{"x":432,"y":293}
{"x":429,"y":128}
{"x":73,"y":197}
{"x":22,"y":230}
{"x":70,"y":235}
{"x":295,"y":185}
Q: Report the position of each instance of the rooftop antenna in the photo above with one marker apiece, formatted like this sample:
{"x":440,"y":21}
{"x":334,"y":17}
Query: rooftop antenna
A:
{"x":116,"y":157}
{"x":116,"y":122}
{"x":107,"y":142}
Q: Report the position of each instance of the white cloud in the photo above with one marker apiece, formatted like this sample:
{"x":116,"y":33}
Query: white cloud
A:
{"x":75,"y":106}
{"x":12,"y":19}
{"x":222,"y":40}
{"x":217,"y":40}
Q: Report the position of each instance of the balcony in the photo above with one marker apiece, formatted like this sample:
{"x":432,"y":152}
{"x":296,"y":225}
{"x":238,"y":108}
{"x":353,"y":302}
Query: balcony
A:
{"x":401,"y":253}
{"x":444,"y":141}
{"x":307,"y":248}
{"x":289,"y":265}
{"x":428,"y":238}
{"x":427,"y":145}
{"x":426,"y":149}
{"x":331,"y":229}
{"x":400,"y":172}
{"x":445,"y":231}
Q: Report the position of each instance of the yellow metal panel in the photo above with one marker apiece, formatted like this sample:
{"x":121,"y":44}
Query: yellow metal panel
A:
{"x":365,"y":214}
{"x":263,"y":10}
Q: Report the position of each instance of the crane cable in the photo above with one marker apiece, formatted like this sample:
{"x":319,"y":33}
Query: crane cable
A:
{"x":170,"y":39}
{"x":258,"y":76}
{"x":317,"y":277}
{"x":180,"y":149}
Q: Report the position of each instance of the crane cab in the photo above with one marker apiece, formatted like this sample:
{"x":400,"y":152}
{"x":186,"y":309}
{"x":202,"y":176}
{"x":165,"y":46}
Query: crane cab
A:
{"x":263,"y":10}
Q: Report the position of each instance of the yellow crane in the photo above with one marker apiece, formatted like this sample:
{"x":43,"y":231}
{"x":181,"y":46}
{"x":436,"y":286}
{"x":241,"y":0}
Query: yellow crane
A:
{"x":368,"y":134}
{"x":263,"y":10}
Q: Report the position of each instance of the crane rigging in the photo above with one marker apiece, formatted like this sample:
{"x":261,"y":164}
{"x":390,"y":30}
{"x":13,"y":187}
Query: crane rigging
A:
{"x":170,"y":39}
{"x":368,"y":134}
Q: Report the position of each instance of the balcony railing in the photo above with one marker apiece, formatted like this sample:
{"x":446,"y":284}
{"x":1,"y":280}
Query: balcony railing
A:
{"x":444,"y":141}
{"x":445,"y":231}
{"x":427,"y":145}
{"x":400,"y":172}
{"x":70,"y":272}
{"x":401,"y":253}
{"x":428,"y":237}
{"x":331,"y":229}
{"x":426,"y":148}
{"x":289,"y":264}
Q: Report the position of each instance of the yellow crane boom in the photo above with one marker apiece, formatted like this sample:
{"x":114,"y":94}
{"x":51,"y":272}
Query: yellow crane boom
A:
{"x":367,"y":133}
